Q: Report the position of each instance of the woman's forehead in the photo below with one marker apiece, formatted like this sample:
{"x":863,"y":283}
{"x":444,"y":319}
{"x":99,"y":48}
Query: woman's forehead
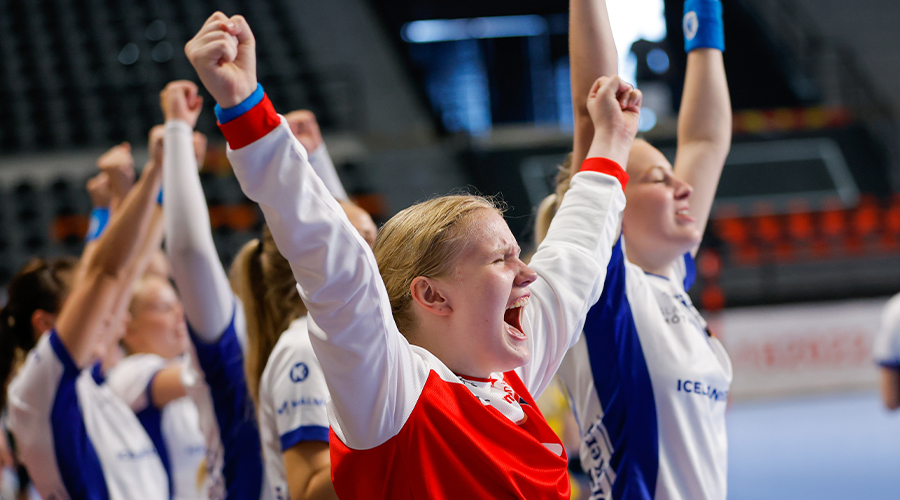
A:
{"x":644,"y":157}
{"x":488,"y":232}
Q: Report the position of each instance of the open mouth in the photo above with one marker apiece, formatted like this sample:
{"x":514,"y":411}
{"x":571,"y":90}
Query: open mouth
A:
{"x":513,"y":318}
{"x":683,"y":214}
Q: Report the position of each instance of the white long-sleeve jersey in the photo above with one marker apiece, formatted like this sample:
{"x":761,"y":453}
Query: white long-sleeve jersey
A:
{"x":76,"y":438}
{"x":649,"y":386}
{"x":215,"y":378}
{"x":405,"y":425}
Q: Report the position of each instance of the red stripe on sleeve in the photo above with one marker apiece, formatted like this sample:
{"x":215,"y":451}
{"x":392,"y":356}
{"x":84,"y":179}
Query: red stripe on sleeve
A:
{"x":605,"y":166}
{"x":252,"y":125}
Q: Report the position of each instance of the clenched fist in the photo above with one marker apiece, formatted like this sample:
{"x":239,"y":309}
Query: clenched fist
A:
{"x":223,"y":53}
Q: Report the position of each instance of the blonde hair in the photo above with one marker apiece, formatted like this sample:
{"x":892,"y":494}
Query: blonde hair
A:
{"x":262,"y":279}
{"x":423,"y":240}
{"x":547,"y":209}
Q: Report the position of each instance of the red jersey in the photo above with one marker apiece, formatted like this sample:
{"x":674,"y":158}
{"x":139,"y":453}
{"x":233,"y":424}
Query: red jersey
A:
{"x":402,"y":424}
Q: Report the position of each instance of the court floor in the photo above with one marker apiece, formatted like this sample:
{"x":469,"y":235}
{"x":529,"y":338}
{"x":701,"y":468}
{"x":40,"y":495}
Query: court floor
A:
{"x":844,"y":446}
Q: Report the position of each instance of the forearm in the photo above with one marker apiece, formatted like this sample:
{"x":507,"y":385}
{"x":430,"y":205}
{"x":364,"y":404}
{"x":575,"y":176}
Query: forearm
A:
{"x":705,"y":115}
{"x":199,"y":275}
{"x":320,"y":486}
{"x":150,"y":243}
{"x":592,"y":54}
{"x":119,"y":246}
{"x":890,"y":387}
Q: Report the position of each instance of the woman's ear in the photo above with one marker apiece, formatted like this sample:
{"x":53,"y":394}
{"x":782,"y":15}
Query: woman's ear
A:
{"x":427,"y":294}
{"x":41,"y":321}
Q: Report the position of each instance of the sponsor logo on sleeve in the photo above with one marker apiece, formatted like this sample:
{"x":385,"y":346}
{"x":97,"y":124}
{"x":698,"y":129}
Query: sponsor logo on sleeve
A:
{"x":299,"y":372}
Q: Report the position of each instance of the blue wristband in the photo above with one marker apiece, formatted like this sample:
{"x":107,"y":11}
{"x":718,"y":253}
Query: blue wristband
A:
{"x":99,"y":219}
{"x":228,"y":114}
{"x":159,"y":198}
{"x":702,"y":25}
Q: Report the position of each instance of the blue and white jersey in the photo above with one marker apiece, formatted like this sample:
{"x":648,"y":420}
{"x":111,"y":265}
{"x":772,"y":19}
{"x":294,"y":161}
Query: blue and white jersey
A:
{"x":174,"y":429}
{"x":215,"y":381}
{"x":886,"y":348}
{"x":649,"y":386}
{"x":76,"y":438}
{"x":292,"y":402}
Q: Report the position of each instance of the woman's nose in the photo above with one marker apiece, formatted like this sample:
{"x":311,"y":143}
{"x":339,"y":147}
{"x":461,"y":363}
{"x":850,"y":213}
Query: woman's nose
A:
{"x":683,"y":190}
{"x":526,"y":276}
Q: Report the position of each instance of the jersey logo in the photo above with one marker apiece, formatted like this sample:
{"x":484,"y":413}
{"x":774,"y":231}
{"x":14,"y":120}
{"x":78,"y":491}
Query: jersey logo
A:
{"x":690,"y":25}
{"x":299,"y":372}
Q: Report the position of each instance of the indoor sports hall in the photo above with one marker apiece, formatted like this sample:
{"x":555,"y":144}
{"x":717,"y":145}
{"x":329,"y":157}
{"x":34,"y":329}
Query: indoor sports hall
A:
{"x":793,"y":277}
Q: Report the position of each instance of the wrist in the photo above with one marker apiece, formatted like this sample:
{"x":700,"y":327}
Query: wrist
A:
{"x":233,"y":108}
{"x":702,"y":25}
{"x":609,"y":145}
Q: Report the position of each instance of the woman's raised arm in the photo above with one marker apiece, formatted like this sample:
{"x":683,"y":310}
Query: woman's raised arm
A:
{"x":704,"y":121}
{"x":368,"y":364}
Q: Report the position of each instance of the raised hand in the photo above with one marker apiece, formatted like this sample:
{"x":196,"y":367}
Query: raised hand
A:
{"x":98,"y":189}
{"x":615,"y":109}
{"x":305,"y":128}
{"x":223,"y":53}
{"x":119,"y":167}
{"x":180,"y":101}
{"x":155,"y":143}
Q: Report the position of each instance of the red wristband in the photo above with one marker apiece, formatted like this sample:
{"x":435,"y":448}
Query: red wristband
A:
{"x":252,"y":125}
{"x":605,"y":166}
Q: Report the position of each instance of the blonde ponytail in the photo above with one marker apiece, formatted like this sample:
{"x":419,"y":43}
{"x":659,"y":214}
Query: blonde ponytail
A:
{"x":262,"y":279}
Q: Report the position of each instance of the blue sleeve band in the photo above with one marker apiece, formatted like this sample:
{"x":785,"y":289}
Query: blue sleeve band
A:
{"x":702,"y":25}
{"x":99,"y":219}
{"x":228,"y":114}
{"x":301,"y":434}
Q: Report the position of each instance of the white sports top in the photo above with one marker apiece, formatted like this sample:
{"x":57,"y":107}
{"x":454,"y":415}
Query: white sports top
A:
{"x":649,"y":386}
{"x":76,"y":438}
{"x":886,"y":349}
{"x":175,"y":429}
{"x":292,"y":402}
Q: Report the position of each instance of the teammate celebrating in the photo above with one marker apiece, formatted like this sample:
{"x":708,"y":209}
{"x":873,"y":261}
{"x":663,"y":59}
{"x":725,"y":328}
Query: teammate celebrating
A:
{"x":293,"y":424}
{"x":648,"y":382}
{"x":78,"y":440}
{"x":443,"y":409}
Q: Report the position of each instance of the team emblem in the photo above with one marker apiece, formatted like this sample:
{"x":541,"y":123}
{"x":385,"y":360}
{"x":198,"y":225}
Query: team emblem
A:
{"x":299,"y":372}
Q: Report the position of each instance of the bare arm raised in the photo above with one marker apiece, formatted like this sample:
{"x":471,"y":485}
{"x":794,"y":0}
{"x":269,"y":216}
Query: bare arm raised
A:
{"x":592,"y":54}
{"x":82,"y":320}
{"x":704,"y":121}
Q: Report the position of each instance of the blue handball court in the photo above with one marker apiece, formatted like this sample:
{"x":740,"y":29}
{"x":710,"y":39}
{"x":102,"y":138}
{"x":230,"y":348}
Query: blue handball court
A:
{"x":838,"y":446}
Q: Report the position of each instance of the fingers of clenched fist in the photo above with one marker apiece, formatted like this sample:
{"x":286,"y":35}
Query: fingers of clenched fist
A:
{"x":155,"y":143}
{"x":614,"y":106}
{"x":180,"y":100}
{"x":305,"y":128}
{"x":119,"y":167}
{"x":223,"y":53}
{"x":98,"y":189}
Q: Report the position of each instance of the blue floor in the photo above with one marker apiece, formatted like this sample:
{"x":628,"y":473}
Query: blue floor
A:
{"x":843,"y":447}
